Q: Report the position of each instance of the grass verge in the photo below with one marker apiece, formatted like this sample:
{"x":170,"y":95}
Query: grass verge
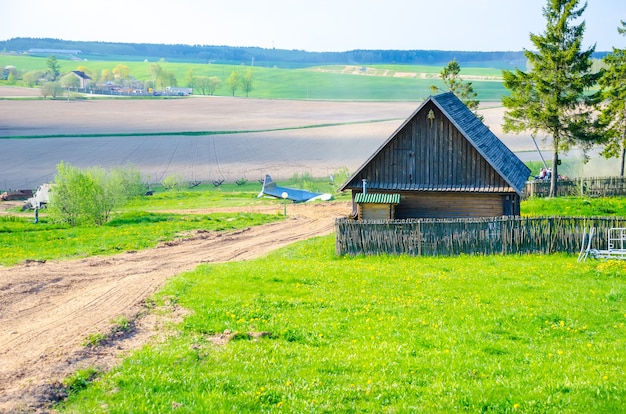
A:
{"x":133,"y":230}
{"x":575,"y":206}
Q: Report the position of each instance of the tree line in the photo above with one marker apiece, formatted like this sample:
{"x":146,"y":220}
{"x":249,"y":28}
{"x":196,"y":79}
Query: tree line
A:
{"x":267,"y":56}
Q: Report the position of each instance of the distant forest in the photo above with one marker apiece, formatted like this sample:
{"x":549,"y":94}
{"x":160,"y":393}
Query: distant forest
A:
{"x":257,"y":56}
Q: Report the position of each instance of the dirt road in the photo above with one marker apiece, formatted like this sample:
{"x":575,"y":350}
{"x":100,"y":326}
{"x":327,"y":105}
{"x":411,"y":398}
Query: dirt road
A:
{"x":48,"y":309}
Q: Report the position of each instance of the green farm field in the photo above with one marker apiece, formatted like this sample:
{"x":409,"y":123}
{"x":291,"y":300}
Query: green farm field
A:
{"x":377,"y":82}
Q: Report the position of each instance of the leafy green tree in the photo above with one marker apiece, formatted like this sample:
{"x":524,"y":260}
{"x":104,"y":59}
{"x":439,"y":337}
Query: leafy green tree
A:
{"x":127,"y":182}
{"x":247,"y":82}
{"x":201,"y":85}
{"x":613,"y":105}
{"x":207,"y":85}
{"x":52,"y":89}
{"x":190,"y":79}
{"x":214,"y":84}
{"x":451,"y":78}
{"x":170,"y":79}
{"x":70,"y":80}
{"x":11,"y":79}
{"x":172,"y":182}
{"x":88,"y":197}
{"x":31,"y":78}
{"x":551,"y":98}
{"x":121,"y":73}
{"x":71,"y":195}
{"x":157,"y":74}
{"x":54,"y":67}
{"x":106,"y":75}
{"x":233,"y":82}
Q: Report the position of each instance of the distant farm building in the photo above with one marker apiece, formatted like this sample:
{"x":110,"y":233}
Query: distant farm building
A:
{"x":442,"y":162}
{"x":83,"y":78}
{"x":171,"y":90}
{"x":57,"y":51}
{"x":7,"y":70}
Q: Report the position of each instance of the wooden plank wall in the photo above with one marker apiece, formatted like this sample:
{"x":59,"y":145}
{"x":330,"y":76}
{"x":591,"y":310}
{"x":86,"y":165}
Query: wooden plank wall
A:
{"x":513,"y":235}
{"x":449,"y":205}
{"x":372,"y":211}
{"x":432,"y":155}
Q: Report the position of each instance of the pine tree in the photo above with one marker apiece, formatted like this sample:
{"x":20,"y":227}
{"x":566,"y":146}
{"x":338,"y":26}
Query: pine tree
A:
{"x":613,"y":105}
{"x":551,"y":98}
{"x":451,"y":78}
{"x":53,"y":67}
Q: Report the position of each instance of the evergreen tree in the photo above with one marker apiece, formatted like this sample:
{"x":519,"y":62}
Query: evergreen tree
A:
{"x":551,"y":98}
{"x":451,"y":78}
{"x":613,"y":105}
{"x":53,"y":67}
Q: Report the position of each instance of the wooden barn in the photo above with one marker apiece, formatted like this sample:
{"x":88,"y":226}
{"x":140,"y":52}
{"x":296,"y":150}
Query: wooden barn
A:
{"x":442,"y":162}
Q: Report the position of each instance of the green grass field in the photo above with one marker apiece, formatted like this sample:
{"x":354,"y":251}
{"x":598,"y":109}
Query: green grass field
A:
{"x":299,"y":83}
{"x":310,"y":332}
{"x":302,"y":330}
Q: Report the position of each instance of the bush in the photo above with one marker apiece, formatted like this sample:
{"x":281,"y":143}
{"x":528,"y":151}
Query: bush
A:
{"x":88,"y":197}
{"x":53,"y":89}
{"x":172,"y":182}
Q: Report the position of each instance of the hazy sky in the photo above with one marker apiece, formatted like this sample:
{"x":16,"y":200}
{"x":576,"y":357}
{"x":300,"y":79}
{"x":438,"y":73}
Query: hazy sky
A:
{"x":313,"y":25}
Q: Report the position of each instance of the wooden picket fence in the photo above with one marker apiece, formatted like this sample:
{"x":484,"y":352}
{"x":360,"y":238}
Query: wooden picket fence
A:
{"x":590,"y":186}
{"x":450,"y":237}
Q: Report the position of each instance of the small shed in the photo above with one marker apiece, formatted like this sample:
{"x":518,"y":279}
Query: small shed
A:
{"x":443,"y":162}
{"x":376,"y":206}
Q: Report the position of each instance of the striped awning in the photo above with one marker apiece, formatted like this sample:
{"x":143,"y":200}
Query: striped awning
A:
{"x":377,"y":198}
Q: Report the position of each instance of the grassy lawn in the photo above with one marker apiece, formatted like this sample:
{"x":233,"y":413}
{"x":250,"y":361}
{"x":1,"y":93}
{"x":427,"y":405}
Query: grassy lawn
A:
{"x":310,"y":332}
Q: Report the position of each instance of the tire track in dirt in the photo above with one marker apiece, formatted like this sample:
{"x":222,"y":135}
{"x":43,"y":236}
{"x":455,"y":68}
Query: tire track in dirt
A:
{"x":48,"y":309}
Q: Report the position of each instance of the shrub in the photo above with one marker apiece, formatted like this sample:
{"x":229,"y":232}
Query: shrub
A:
{"x":83,"y":197}
{"x":172,"y":182}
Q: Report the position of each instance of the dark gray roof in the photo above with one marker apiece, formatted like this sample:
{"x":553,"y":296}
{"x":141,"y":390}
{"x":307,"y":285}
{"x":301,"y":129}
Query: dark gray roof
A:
{"x":498,"y":155}
{"x":81,"y":74}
